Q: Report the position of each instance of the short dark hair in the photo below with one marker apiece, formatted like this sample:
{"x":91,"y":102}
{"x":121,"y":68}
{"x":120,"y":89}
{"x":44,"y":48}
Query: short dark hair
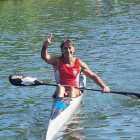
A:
{"x":67,"y":41}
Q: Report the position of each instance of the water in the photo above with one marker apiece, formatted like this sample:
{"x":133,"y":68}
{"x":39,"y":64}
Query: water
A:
{"x":106,"y":36}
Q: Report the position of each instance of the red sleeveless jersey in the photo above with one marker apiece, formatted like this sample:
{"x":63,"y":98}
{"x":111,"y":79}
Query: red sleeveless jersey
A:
{"x":68,"y":75}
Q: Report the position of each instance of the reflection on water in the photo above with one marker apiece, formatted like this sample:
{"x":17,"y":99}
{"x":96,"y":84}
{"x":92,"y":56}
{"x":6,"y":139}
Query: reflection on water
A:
{"x":106,"y":36}
{"x":72,"y":126}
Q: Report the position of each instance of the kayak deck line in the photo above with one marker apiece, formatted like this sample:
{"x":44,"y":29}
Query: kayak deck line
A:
{"x":60,"y":107}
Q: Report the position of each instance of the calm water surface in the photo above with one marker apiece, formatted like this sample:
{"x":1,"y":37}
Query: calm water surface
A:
{"x":107,"y":38}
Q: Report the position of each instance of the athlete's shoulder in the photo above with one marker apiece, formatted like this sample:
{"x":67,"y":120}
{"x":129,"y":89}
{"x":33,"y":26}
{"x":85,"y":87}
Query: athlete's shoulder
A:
{"x":77,"y":59}
{"x":82,"y":64}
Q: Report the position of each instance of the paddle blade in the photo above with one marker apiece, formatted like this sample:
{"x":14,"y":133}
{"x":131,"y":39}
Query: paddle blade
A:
{"x":130,"y":94}
{"x":23,"y":80}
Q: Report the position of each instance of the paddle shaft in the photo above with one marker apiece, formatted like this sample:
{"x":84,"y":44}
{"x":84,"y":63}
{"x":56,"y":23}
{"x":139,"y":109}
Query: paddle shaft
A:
{"x":83,"y":88}
{"x":24,"y":80}
{"x":133,"y":95}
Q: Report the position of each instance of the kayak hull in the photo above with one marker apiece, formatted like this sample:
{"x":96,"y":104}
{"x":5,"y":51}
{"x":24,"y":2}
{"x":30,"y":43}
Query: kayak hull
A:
{"x":62,"y":111}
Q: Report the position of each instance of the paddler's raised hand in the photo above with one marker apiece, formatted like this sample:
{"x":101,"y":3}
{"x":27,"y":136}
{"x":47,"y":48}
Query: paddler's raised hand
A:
{"x":47,"y":41}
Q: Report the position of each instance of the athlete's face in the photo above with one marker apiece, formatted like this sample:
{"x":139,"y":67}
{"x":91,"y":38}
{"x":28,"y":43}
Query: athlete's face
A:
{"x":68,"y":50}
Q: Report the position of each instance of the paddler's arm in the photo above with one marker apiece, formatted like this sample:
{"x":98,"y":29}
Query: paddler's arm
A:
{"x":44,"y":53}
{"x":93,"y":76}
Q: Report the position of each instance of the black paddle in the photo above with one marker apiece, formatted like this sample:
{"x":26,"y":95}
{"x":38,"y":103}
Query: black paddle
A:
{"x":25,"y":80}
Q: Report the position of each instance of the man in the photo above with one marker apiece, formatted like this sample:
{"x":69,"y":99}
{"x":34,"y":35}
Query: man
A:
{"x":67,"y":69}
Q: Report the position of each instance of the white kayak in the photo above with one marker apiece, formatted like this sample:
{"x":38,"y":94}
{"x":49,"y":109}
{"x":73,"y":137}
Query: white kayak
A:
{"x":62,"y":110}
